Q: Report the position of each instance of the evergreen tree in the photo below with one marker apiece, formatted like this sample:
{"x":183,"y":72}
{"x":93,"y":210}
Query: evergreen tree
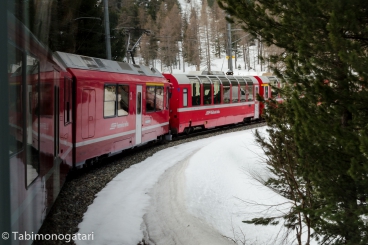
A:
{"x":325,"y":45}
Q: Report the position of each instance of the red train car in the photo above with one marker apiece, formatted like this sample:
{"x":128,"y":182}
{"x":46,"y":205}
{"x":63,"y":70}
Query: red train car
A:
{"x":38,"y":157}
{"x":116,"y":106}
{"x":209,"y":101}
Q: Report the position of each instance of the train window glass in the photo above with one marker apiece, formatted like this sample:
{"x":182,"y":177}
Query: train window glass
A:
{"x":139,"y":103}
{"x":207,"y":100}
{"x":196,"y":91}
{"x":159,"y":98}
{"x":15,"y":100}
{"x":226,"y":91}
{"x":150,"y":98}
{"x":185,"y":97}
{"x":123,"y":100}
{"x":243,"y":90}
{"x":109,"y":100}
{"x":265,"y":92}
{"x":216,"y":91}
{"x":250,"y":92}
{"x":32,"y":115}
{"x":234,"y":91}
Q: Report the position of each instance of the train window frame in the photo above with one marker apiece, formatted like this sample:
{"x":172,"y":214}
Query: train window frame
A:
{"x":116,"y":100}
{"x":250,"y":89}
{"x":112,"y":115}
{"x":157,"y":91}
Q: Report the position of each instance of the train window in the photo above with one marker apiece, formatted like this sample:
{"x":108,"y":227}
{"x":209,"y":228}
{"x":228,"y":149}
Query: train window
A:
{"x":243,"y":90}
{"x":207,"y":100}
{"x":274,"y":85}
{"x":196,"y":91}
{"x":185,"y":97}
{"x":150,"y":98}
{"x":123,"y":100}
{"x":159,"y":98}
{"x":154,"y":98}
{"x":234,"y":91}
{"x":250,"y":92}
{"x":139,"y":103}
{"x":266,"y":92}
{"x":109,"y":100}
{"x":15,"y":100}
{"x":216,"y":91}
{"x":226,"y":91}
{"x":32,"y":116}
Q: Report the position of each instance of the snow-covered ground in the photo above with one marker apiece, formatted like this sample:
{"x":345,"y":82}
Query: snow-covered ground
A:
{"x":194,"y":193}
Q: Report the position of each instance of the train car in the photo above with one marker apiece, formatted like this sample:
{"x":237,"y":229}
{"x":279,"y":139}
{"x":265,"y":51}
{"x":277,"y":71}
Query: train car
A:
{"x":212,"y":101}
{"x":117,"y":106}
{"x":39,"y":159}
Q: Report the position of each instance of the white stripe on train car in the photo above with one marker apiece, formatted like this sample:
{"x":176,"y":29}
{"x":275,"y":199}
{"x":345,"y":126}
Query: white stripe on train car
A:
{"x":155,"y":126}
{"x":92,"y":141}
{"x":199,"y":108}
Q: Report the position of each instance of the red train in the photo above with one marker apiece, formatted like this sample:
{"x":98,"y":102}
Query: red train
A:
{"x":67,"y":110}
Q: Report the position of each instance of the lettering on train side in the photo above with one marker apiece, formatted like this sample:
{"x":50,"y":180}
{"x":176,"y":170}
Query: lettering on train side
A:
{"x":212,"y":112}
{"x":118,"y":125}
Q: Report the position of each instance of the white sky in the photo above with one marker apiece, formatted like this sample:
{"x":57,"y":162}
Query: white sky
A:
{"x":194,"y":193}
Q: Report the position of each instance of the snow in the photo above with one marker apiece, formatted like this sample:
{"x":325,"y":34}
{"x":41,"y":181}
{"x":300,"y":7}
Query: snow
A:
{"x":194,"y":193}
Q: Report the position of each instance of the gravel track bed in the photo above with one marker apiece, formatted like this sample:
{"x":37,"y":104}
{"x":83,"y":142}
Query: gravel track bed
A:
{"x":81,"y":186}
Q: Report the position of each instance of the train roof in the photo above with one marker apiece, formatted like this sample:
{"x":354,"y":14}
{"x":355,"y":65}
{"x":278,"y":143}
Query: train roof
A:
{"x":76,"y":61}
{"x":184,"y":78}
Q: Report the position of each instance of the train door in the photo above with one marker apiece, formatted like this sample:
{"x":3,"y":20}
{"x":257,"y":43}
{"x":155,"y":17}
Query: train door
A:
{"x":256,"y":103}
{"x":88,"y":113}
{"x":138,"y":117}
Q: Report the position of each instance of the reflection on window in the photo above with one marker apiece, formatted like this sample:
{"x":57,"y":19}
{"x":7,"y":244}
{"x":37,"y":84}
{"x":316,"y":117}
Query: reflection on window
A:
{"x":154,"y":98}
{"x":196,"y":91}
{"x":116,"y":100}
{"x":123,"y":100}
{"x":109,"y":100}
{"x":24,"y":106}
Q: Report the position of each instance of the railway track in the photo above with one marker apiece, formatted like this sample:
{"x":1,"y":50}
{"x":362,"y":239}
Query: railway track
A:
{"x":82,"y":185}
